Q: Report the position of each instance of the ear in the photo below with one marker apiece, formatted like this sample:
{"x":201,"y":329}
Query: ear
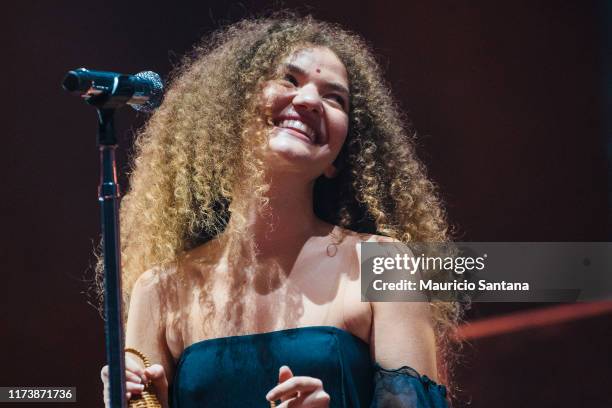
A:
{"x":330,"y":172}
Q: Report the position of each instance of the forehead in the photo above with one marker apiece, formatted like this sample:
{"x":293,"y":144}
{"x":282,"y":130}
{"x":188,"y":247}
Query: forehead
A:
{"x":319,"y":60}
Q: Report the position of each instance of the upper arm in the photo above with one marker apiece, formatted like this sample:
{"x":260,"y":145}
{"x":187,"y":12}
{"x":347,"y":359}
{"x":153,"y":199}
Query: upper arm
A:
{"x":145,"y":329}
{"x":402,"y":334}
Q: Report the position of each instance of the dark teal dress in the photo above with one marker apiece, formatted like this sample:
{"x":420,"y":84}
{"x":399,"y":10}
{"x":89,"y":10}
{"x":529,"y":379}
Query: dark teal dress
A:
{"x":239,"y":371}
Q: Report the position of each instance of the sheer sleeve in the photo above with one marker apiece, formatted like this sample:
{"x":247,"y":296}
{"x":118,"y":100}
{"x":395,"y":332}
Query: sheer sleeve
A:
{"x":405,"y":388}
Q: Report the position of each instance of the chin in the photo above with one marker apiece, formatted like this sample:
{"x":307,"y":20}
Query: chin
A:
{"x":290,"y":148}
{"x":286,"y":158}
{"x":289,"y":161}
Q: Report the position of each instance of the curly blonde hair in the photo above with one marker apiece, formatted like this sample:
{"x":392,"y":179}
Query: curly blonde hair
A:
{"x":197,"y":153}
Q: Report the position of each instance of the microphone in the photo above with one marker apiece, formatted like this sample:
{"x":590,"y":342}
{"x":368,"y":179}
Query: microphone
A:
{"x":142,"y":91}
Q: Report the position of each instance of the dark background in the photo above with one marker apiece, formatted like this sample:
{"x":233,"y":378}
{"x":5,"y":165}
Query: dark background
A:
{"x":510,"y":103}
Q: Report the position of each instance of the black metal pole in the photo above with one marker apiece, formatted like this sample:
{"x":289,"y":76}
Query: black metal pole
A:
{"x":108,"y":194}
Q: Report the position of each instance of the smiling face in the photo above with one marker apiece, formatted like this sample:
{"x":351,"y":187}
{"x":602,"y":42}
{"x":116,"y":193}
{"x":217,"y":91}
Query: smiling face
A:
{"x":309,"y":103}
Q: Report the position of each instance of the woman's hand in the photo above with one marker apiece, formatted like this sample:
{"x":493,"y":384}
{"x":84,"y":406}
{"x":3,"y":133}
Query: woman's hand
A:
{"x":135,"y":378}
{"x":298,"y":392}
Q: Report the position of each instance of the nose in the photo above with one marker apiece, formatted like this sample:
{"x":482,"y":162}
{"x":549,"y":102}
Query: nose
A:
{"x":308,"y":98}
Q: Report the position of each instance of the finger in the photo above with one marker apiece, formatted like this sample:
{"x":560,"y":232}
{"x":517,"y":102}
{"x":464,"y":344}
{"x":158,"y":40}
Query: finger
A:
{"x":318,"y":399}
{"x":134,"y":387}
{"x":130,"y":376}
{"x":291,"y":403}
{"x":104,"y":373}
{"x":293,"y":385}
{"x":284,"y":373}
{"x":106,"y":397}
{"x":313,"y":400}
{"x":157,"y":375}
{"x":135,"y":367}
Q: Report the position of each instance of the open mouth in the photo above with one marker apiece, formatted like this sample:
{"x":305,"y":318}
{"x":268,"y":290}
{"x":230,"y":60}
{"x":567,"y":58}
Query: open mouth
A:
{"x":298,"y":129}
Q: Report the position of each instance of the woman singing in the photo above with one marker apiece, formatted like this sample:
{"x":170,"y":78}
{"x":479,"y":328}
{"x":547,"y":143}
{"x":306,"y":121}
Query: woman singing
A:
{"x":277,"y":149}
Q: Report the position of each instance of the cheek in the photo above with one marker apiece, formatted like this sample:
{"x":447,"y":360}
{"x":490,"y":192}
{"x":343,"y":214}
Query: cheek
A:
{"x":274,"y":98}
{"x":338,"y":130}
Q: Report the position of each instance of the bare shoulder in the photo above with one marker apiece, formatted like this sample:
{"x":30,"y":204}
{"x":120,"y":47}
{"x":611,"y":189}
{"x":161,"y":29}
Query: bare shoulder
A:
{"x":146,"y":323}
{"x":149,"y":280}
{"x":356,"y":239}
{"x":147,"y":299}
{"x":351,"y":248}
{"x":419,"y":310}
{"x":151,"y":285}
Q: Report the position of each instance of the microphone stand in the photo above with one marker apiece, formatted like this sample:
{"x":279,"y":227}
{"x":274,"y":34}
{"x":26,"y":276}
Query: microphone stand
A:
{"x":108,"y":92}
{"x":108,"y":195}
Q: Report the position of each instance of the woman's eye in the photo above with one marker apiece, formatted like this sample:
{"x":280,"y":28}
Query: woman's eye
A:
{"x":338,"y":99}
{"x":291,"y":79}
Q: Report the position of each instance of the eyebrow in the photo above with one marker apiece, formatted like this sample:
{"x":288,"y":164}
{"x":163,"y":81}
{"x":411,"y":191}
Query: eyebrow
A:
{"x":331,"y":85}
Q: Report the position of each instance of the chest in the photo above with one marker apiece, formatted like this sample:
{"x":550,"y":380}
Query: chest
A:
{"x":317,"y":292}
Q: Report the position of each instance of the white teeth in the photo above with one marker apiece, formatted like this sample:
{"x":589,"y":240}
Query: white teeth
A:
{"x":298,"y":125}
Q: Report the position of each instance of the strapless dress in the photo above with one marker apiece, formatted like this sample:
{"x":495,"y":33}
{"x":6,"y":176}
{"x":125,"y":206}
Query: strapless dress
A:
{"x":238,"y":371}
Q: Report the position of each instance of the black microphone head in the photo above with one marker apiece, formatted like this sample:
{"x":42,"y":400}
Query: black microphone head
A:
{"x":157,"y":92}
{"x":72,"y":81}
